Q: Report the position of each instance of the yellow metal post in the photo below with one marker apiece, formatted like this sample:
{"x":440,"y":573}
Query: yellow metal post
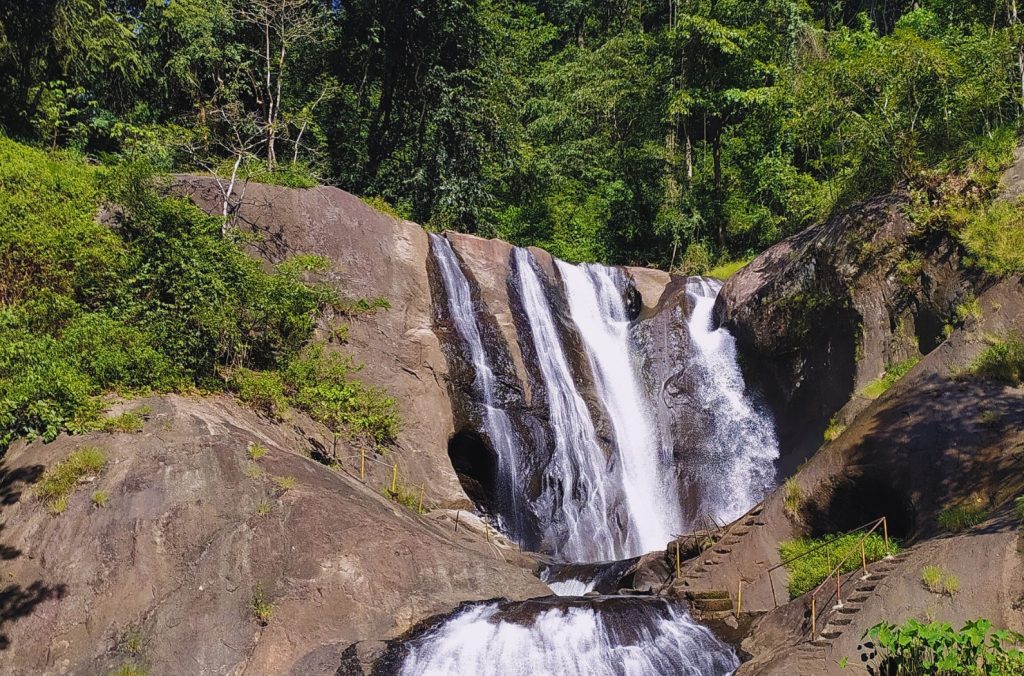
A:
{"x":419,"y":509}
{"x":739,"y":598}
{"x":394,"y":478}
{"x":457,"y":513}
{"x":362,"y":465}
{"x":814,"y":619}
{"x":863,"y":559}
{"x":885,"y":531}
{"x":677,"y":560}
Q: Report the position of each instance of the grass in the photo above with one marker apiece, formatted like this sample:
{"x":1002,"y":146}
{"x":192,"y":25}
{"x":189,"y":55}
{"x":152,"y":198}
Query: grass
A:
{"x":285,"y":483}
{"x":382,"y":205}
{"x":129,"y":421}
{"x":877,"y":388}
{"x":969,"y":311}
{"x":793,"y":499}
{"x":931,"y":577}
{"x":256,"y":451}
{"x":810,"y":571}
{"x":254,"y":472}
{"x":937,"y":581}
{"x":59,"y":482}
{"x":407,"y":496}
{"x":962,"y":517}
{"x":264,"y":507}
{"x":994,"y":236}
{"x":130,"y":669}
{"x":262,"y":609}
{"x":1018,"y":508}
{"x":834,"y":429}
{"x":100,"y":498}
{"x":727,"y":269}
{"x":1002,"y":361}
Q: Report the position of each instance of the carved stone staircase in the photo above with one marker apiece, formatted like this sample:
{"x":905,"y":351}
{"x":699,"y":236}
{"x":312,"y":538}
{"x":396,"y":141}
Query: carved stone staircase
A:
{"x":710,"y":605}
{"x":857,"y":592}
{"x":722,"y":548}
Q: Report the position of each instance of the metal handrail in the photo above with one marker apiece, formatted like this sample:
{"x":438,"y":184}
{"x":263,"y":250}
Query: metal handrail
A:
{"x":874,"y":524}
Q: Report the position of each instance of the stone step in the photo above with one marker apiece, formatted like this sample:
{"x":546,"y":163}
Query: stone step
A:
{"x":741,"y":531}
{"x":713,"y":605}
{"x":721,"y":550}
{"x":756,"y":511}
{"x":713,"y":562}
{"x":715,"y":594}
{"x":700,"y":569}
{"x":841,"y":621}
{"x":820,"y":643}
{"x":831,"y":635}
{"x":866,"y":588}
{"x":858,"y":599}
{"x":716,"y":615}
{"x":730,"y":542}
{"x":848,"y":610}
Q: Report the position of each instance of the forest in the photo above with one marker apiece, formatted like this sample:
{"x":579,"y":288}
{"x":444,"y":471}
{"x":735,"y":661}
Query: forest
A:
{"x":679,"y":133}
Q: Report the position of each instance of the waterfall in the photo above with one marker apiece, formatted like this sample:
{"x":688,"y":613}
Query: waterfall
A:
{"x":739,"y":447}
{"x":609,"y":637}
{"x":579,"y":478}
{"x":598,"y":309}
{"x":497,"y":426}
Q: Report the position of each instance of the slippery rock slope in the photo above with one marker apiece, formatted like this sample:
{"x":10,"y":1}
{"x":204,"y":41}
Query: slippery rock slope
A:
{"x":823,"y":313}
{"x":372,"y":255}
{"x":164,"y":575}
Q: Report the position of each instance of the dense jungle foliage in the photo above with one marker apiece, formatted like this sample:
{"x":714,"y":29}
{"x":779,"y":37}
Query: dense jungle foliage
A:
{"x":678,"y":133}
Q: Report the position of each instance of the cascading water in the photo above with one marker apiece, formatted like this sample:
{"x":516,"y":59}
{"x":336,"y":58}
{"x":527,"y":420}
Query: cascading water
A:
{"x":603,"y":637}
{"x":739,"y":447}
{"x":497,"y":425}
{"x":579,"y":480}
{"x":598,"y":309}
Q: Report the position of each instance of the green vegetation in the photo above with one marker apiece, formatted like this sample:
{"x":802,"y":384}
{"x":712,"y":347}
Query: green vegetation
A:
{"x":809,"y":571}
{"x":130,"y":669}
{"x":264,"y":507}
{"x":834,"y":429}
{"x":1003,"y":361}
{"x":407,"y":496}
{"x":262,"y":609}
{"x":1018,"y":509}
{"x":727,"y":269}
{"x":60,"y":480}
{"x":937,"y":581}
{"x":383,"y":206}
{"x":256,"y":451}
{"x":100,"y":498}
{"x":676,"y":134}
{"x":962,"y":517}
{"x":969,"y":311}
{"x":129,"y":421}
{"x":285,"y":483}
{"x":160,"y":299}
{"x":793,"y":499}
{"x":877,"y":388}
{"x":917,"y":649}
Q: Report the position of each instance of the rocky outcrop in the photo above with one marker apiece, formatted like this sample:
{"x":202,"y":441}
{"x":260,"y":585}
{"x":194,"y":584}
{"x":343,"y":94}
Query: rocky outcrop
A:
{"x":827,"y":311}
{"x":164,"y":574}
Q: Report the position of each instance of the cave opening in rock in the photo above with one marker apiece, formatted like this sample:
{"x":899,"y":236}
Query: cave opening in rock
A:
{"x":855,"y":500}
{"x":476,"y":465}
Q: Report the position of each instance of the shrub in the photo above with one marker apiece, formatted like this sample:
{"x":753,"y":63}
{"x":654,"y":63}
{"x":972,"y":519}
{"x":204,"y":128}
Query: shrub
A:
{"x":407,"y":496}
{"x":1003,"y":361}
{"x":100,"y":498}
{"x":969,"y":310}
{"x":951,"y":585}
{"x":916,"y":649}
{"x":59,"y":481}
{"x":962,"y":517}
{"x":834,"y":429}
{"x":263,"y":390}
{"x":793,"y":499}
{"x":808,"y":572}
{"x":380,"y":204}
{"x":264,"y":507}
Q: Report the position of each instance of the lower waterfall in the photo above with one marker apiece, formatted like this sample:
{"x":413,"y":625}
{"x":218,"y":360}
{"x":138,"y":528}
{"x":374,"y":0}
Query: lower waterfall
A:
{"x":570,"y":637}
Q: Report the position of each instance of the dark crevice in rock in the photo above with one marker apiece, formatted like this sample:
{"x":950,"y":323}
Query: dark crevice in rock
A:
{"x":476,"y":465}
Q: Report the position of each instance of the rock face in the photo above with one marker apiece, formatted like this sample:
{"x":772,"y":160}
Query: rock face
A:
{"x":164,"y":575}
{"x":825,"y":312}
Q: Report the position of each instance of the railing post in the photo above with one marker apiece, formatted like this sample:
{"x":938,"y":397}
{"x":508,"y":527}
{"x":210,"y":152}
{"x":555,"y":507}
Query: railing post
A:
{"x":677,"y":559}
{"x":885,"y":531}
{"x":839,"y":597}
{"x":394,"y":478}
{"x":864,"y":560}
{"x":457,"y":513}
{"x":362,"y":465}
{"x":771,"y":581}
{"x":814,"y":618}
{"x":739,"y":598}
